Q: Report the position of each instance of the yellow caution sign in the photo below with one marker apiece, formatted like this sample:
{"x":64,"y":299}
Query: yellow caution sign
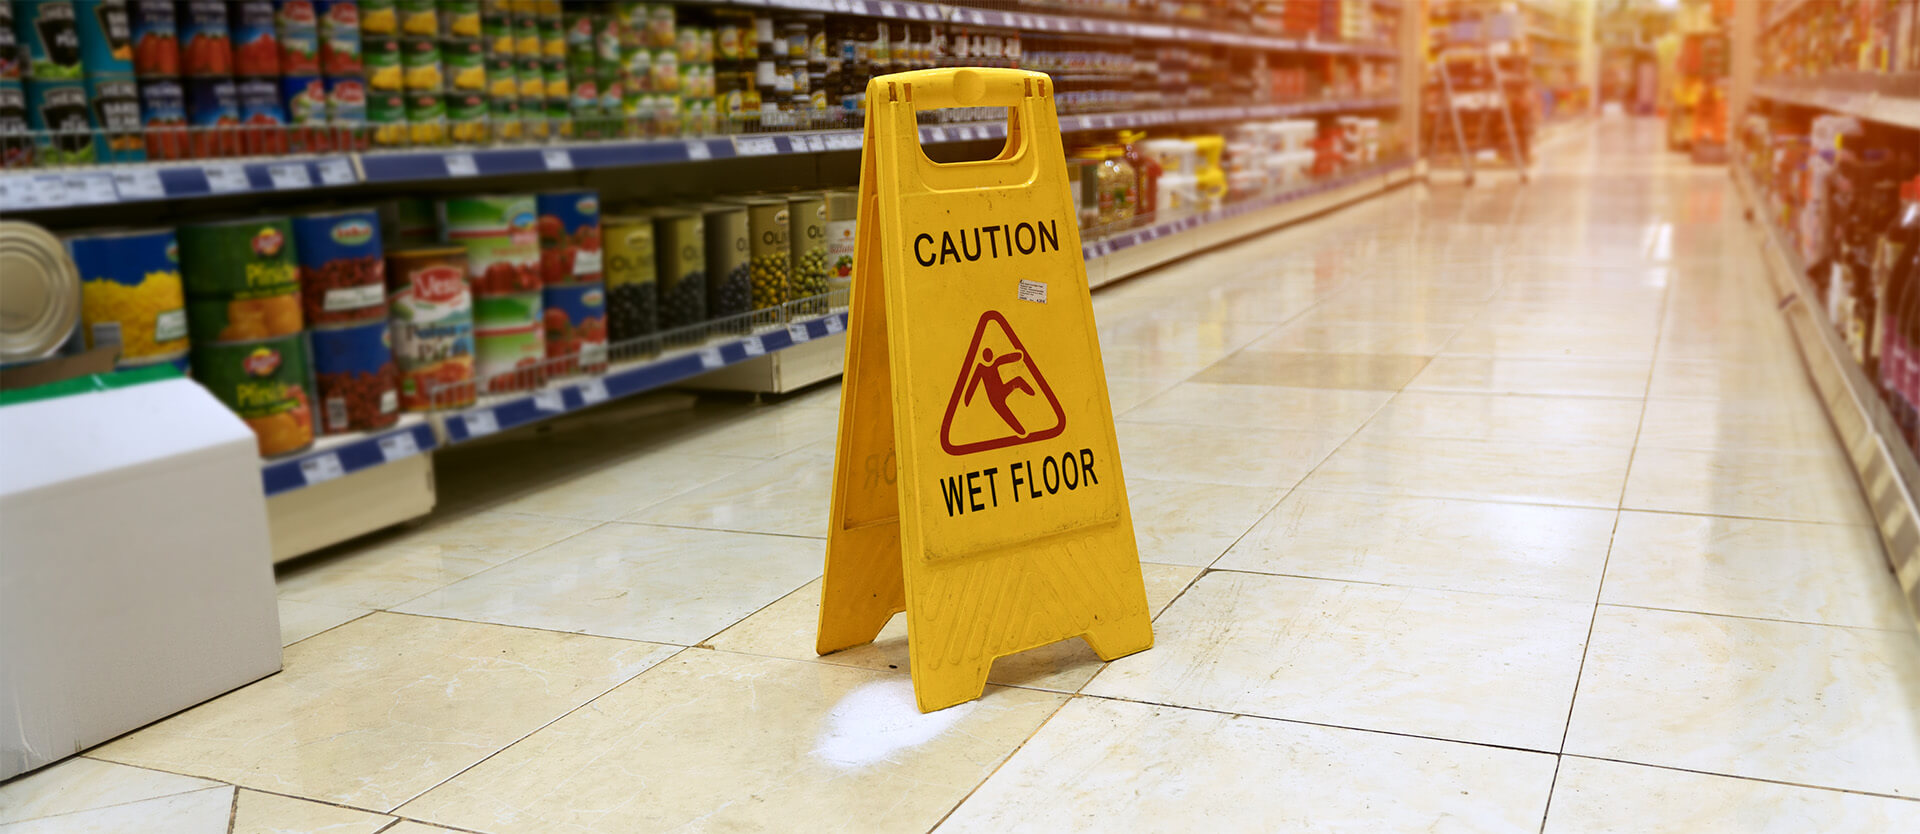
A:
{"x":977,"y":482}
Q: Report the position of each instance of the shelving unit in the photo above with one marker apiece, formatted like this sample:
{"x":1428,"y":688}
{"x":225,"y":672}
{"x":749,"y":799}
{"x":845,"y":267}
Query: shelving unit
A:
{"x":1891,"y":99}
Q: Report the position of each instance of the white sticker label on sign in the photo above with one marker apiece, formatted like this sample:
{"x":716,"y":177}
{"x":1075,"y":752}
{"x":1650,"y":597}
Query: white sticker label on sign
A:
{"x":289,"y":175}
{"x":549,"y":400}
{"x":798,"y":332}
{"x":396,"y":446}
{"x":462,"y":165}
{"x":1033,"y":291}
{"x":557,"y":159}
{"x":593,"y":390}
{"x":833,"y":325}
{"x":223,"y":179}
{"x":139,"y":184}
{"x":481,"y":423}
{"x":710,"y":358}
{"x":335,"y":172}
{"x":753,"y":346}
{"x":322,"y":468}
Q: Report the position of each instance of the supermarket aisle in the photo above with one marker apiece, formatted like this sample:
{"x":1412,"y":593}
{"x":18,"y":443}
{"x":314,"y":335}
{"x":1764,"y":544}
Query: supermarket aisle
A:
{"x":1461,"y":510}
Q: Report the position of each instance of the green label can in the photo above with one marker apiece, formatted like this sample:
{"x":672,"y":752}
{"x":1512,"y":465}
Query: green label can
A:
{"x":244,"y":319}
{"x":250,"y":258}
{"x":506,"y":310}
{"x":510,"y":359}
{"x":266,"y":382}
{"x":807,"y":214}
{"x":680,"y":250}
{"x":729,"y":278}
{"x":768,"y":247}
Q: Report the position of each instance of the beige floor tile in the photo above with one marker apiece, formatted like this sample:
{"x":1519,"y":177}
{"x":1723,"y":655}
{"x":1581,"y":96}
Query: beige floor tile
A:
{"x":1553,"y":342}
{"x":1370,"y":371}
{"x":1518,"y":549}
{"x":1514,"y":418}
{"x":787,"y":629}
{"x":1791,"y":702}
{"x":765,"y":432}
{"x":635,"y":581}
{"x":1104,"y":765}
{"x":1469,"y":667}
{"x":1783,"y":381}
{"x":205,"y":811}
{"x":1182,"y":523}
{"x":1779,"y":570}
{"x":1276,"y":458}
{"x":1197,"y":336}
{"x":415,"y":827}
{"x":1142,"y":363}
{"x":1515,"y":375}
{"x":609,"y":493}
{"x":1128,"y":394}
{"x":1364,"y":337}
{"x":301,"y":620}
{"x":714,"y":740}
{"x":397,"y":567}
{"x":1747,"y":482}
{"x":1779,"y":424}
{"x":377,"y":711}
{"x":1262,"y":407}
{"x":788,"y":496}
{"x":1591,"y":795}
{"x":1588,"y":476}
{"x":81,"y":784}
{"x":265,"y":813}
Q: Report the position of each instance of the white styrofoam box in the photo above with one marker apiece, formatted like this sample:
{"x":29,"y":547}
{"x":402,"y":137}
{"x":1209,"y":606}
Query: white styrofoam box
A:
{"x":1176,"y":156}
{"x":135,"y":572}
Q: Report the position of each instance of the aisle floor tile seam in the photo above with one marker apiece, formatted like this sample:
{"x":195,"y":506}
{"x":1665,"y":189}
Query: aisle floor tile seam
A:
{"x":595,"y":525}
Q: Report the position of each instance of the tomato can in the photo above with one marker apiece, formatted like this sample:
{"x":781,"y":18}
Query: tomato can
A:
{"x":256,"y":46}
{"x":343,"y":275}
{"x":306,"y":98}
{"x":510,"y":358}
{"x":633,"y":300}
{"x":163,"y":117}
{"x":569,"y":228}
{"x":340,"y":45}
{"x":206,"y":45}
{"x":498,"y":234}
{"x":213,"y":117}
{"x":263,"y":117}
{"x":575,"y":320}
{"x":50,"y":35}
{"x":62,"y":121}
{"x":356,"y":377}
{"x":266,"y":382}
{"x":106,"y":37}
{"x":116,"y":115}
{"x":297,"y":24}
{"x":346,"y":102}
{"x":156,"y":38}
{"x":432,"y":326}
{"x":130,"y":292}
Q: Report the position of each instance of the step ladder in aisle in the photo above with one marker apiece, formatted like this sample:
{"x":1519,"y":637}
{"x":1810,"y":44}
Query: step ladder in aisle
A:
{"x":1481,"y":98}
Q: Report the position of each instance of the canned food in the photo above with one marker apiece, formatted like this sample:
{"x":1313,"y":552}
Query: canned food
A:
{"x":340,"y":45}
{"x":39,"y":293}
{"x":432,"y":326}
{"x":411,"y":222}
{"x":58,"y":113}
{"x":387,"y":117}
{"x":346,"y":102}
{"x":660,"y":34}
{"x":235,"y":319}
{"x":131,"y":294}
{"x":807,"y":217}
{"x":16,"y":143}
{"x":263,"y":115}
{"x":729,"y":277}
{"x":632,"y":294}
{"x":426,"y":118}
{"x":418,"y":18}
{"x":569,"y":229}
{"x":496,"y":27}
{"x":247,"y":258}
{"x":420,"y":65}
{"x":343,"y":276}
{"x":156,"y":39}
{"x":767,"y":245}
{"x":497,"y":311}
{"x":106,"y":37}
{"x":680,"y":250}
{"x":379,"y":17}
{"x":464,"y":65}
{"x":298,"y":25}
{"x":163,"y":114}
{"x":116,"y":112}
{"x":213,"y":110}
{"x":575,"y":319}
{"x":498,"y":234}
{"x":265,"y":382}
{"x":509,"y":359}
{"x":307,"y":108}
{"x":460,"y":19}
{"x":357,"y":379}
{"x":50,"y":33}
{"x":843,"y":223}
{"x":206,"y":44}
{"x":256,"y":46}
{"x":10,"y":68}
{"x":467,"y":116}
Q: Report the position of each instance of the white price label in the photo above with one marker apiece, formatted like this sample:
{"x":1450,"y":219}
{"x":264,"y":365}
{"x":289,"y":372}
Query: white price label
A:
{"x":755,"y":145}
{"x":481,"y":423}
{"x":753,"y":346}
{"x":816,"y":143}
{"x":833,"y":325}
{"x":396,"y":446}
{"x":335,"y":172}
{"x":224,"y":179}
{"x":710,"y":358}
{"x":289,"y":175}
{"x":549,"y":400}
{"x":886,"y":10}
{"x":557,"y":159}
{"x":139,"y":184}
{"x":321,"y":468}
{"x":845,"y":141}
{"x":798,"y":332}
{"x":593,"y":391}
{"x":89,"y":189}
{"x":938,"y":134}
{"x":462,"y":165}
{"x":697,"y":151}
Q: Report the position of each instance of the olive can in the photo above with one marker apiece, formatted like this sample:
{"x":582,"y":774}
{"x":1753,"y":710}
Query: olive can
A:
{"x":807,"y":281}
{"x":729,"y":278}
{"x":267,"y":382}
{"x":680,"y":255}
{"x":767,"y":247}
{"x":632,"y":290}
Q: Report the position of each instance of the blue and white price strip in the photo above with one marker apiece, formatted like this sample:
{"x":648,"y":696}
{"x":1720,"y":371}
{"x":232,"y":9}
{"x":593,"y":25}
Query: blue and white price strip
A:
{"x":798,"y":332}
{"x":557,"y":159}
{"x":710,"y":358}
{"x":753,"y":347}
{"x":396,"y":446}
{"x":289,"y":175}
{"x":335,"y":172}
{"x":481,"y":423}
{"x":225,"y":179}
{"x":755,"y":145}
{"x":461,"y":165}
{"x":318,"y":468}
{"x":593,"y":391}
{"x":698,"y":152}
{"x":833,"y":325}
{"x":549,"y":400}
{"x":139,"y":184}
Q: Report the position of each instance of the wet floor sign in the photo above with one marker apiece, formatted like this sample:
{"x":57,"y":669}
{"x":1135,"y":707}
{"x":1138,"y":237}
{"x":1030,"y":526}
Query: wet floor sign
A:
{"x":977,"y":480}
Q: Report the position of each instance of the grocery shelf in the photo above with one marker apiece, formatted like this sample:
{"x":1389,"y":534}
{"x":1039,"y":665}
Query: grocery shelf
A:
{"x":335,"y":456}
{"x":1782,"y":11}
{"x":1888,"y":98}
{"x":1880,"y":457}
{"x":147,"y":182}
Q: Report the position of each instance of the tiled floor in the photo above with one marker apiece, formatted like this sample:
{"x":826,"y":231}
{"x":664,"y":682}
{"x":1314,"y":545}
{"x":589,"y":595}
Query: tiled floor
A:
{"x":1494,"y":510}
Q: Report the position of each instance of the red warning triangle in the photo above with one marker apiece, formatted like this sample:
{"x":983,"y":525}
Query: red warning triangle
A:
{"x":1000,"y":398}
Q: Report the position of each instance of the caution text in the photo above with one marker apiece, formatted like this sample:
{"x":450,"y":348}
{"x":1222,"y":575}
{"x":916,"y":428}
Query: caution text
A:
{"x":1022,"y":480}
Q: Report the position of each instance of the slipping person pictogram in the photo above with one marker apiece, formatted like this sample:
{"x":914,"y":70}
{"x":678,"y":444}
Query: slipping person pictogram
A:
{"x":994,"y":376}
